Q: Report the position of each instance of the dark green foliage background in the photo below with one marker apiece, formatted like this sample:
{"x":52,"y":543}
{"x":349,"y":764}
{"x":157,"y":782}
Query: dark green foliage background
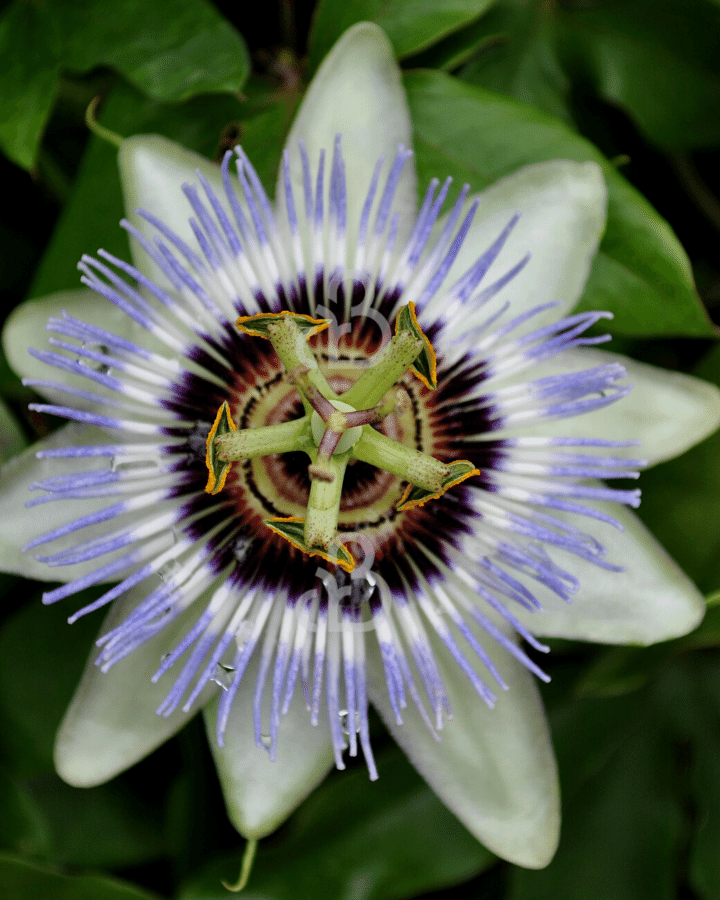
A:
{"x":493,"y":85}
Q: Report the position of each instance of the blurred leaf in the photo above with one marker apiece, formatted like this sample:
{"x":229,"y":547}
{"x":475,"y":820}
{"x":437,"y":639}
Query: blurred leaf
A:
{"x":707,"y":634}
{"x":641,"y":273}
{"x":12,"y":438}
{"x":355,"y":839}
{"x":515,"y":55}
{"x":620,"y":670}
{"x":90,"y":219}
{"x":681,"y":501}
{"x":411,"y":25}
{"x":170,"y":49}
{"x":621,"y":823}
{"x":100,"y":827}
{"x":41,"y":660}
{"x":22,"y":826}
{"x":689,"y":695}
{"x":658,"y":59}
{"x":29,"y":48}
{"x":705,"y":859}
{"x":22,"y":880}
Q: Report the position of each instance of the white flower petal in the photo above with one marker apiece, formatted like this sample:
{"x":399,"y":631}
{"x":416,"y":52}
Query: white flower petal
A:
{"x":153,"y":170}
{"x":494,"y":769}
{"x":260,"y":794}
{"x":667,"y":412}
{"x":18,"y":524}
{"x":111,"y":723}
{"x":562,"y":208}
{"x":26,"y":327}
{"x":357,"y":92}
{"x":652,"y":600}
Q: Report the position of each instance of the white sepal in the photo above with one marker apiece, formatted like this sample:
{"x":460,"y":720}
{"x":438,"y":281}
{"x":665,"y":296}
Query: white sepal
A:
{"x":493,"y":768}
{"x":562,"y":208}
{"x":358,"y":93}
{"x":112,"y":722}
{"x":260,"y":794}
{"x":651,"y":600}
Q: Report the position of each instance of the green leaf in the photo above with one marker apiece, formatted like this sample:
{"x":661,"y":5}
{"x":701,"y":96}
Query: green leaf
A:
{"x":22,"y":826}
{"x":90,"y":218}
{"x":705,"y":859}
{"x":355,"y":839}
{"x":170,"y":49}
{"x":41,"y":661}
{"x":12,"y":438}
{"x":22,"y":880}
{"x":30,"y":53}
{"x":411,"y":25}
{"x":689,"y":697}
{"x":641,"y":273}
{"x":621,"y":823}
{"x":514,"y":54}
{"x":707,"y":634}
{"x":619,"y":670}
{"x":102,"y":827}
{"x":658,"y":59}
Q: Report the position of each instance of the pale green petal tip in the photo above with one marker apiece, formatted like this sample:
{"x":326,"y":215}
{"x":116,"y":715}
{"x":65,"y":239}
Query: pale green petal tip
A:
{"x":25,"y":328}
{"x":106,"y":731}
{"x":150,"y":154}
{"x":649,"y":601}
{"x":153,"y":170}
{"x":258,"y":811}
{"x":112,"y":721}
{"x":260,"y":793}
{"x":562,"y":206}
{"x":357,"y":82}
{"x":493,"y":768}
{"x":357,"y":93}
{"x":668,"y":412}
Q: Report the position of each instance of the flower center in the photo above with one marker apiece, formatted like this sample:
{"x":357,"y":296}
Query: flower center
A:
{"x":338,"y":419}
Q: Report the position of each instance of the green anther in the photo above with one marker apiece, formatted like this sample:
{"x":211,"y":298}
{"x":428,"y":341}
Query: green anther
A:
{"x":406,"y":463}
{"x":289,"y":334}
{"x":459,"y":470}
{"x":425,"y":365}
{"x":324,"y":502}
{"x":290,"y":344}
{"x":253,"y":442}
{"x":397,"y":357}
{"x":293,"y":530}
{"x":218,"y":469}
